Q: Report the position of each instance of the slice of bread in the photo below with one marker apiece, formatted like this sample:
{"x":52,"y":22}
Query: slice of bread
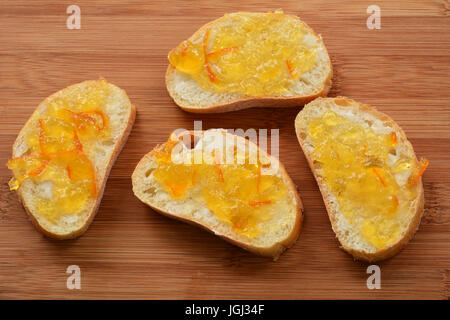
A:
{"x":351,"y":228}
{"x":276,"y":232}
{"x":102,"y":154}
{"x":187,"y":93}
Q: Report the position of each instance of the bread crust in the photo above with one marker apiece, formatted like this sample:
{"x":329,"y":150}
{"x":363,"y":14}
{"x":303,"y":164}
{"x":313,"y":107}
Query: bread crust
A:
{"x":274,"y":251}
{"x":248,"y":102}
{"x":119,"y":145}
{"x":418,"y":210}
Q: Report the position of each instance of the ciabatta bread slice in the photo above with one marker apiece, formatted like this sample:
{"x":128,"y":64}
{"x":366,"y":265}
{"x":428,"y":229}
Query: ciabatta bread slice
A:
{"x":102,"y":154}
{"x":354,"y":232}
{"x":191,"y":97}
{"x":278,"y":231}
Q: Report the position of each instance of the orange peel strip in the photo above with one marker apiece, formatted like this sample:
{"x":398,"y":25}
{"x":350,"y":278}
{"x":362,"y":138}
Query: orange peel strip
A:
{"x":184,"y":49}
{"x":395,"y":199}
{"x":219,"y":169}
{"x":379,"y":177}
{"x":37,"y":171}
{"x":78,"y":145}
{"x":425,"y":164}
{"x":394,"y":138}
{"x":291,"y":69}
{"x":85,"y":115}
{"x":69,"y":173}
{"x":218,"y":52}
{"x":255,"y":203}
{"x":211,"y":74}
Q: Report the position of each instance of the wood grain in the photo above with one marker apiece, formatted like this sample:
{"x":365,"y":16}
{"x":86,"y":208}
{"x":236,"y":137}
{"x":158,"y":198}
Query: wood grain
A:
{"x":131,"y":252}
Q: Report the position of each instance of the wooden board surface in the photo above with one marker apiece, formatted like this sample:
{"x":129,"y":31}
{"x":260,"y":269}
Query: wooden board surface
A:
{"x":130,"y":251}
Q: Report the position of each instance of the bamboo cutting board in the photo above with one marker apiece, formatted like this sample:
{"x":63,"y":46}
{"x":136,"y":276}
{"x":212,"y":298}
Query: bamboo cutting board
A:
{"x":129,"y":251}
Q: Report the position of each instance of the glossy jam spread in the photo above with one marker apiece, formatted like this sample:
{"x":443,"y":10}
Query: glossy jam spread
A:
{"x":253,"y":54}
{"x":355,"y":164}
{"x":59,"y":143}
{"x":242,"y":195}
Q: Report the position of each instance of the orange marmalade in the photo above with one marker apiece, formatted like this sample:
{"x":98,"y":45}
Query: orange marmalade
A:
{"x":60,"y":142}
{"x":255,"y":54}
{"x":373,"y":184}
{"x":242,"y":195}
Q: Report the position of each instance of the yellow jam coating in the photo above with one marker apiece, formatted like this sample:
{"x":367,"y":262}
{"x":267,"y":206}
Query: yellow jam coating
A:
{"x":242,"y":195}
{"x":353,"y":159}
{"x":253,"y":54}
{"x":59,"y":142}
